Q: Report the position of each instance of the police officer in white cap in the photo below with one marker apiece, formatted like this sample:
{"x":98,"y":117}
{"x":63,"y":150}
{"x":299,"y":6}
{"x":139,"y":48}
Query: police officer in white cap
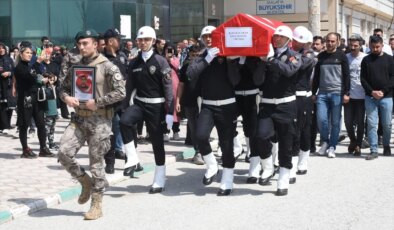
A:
{"x":209,"y":73}
{"x":278,"y":112}
{"x":149,"y":75}
{"x":302,"y":140}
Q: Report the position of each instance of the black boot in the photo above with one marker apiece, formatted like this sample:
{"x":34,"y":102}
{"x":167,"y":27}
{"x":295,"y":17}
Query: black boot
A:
{"x":130,"y":170}
{"x":386,"y":151}
{"x":109,"y":169}
{"x":45,"y":152}
{"x":28,"y":153}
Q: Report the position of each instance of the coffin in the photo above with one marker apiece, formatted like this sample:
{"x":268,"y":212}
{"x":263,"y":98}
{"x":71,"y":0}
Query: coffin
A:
{"x":244,"y":35}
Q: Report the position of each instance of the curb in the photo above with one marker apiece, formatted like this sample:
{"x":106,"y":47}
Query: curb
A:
{"x":72,"y":193}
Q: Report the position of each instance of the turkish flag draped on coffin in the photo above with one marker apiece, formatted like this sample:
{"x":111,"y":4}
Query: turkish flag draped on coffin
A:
{"x":244,"y":35}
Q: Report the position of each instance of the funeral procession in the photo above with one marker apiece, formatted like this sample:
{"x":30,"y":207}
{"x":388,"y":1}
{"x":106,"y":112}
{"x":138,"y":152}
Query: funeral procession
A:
{"x":196,"y":114}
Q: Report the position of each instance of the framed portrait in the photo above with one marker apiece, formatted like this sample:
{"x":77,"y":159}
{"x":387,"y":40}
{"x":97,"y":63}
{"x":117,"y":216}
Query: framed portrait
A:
{"x":84,"y":83}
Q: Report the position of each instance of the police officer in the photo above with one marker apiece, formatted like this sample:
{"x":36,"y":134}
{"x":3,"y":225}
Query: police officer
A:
{"x":245,"y":95}
{"x":112,"y":52}
{"x":278,"y":105}
{"x":302,"y":144}
{"x":210,"y":73}
{"x":92,"y":121}
{"x":149,"y":75}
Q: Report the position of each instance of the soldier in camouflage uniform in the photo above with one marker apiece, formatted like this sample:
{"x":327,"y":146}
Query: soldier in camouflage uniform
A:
{"x":92,"y":121}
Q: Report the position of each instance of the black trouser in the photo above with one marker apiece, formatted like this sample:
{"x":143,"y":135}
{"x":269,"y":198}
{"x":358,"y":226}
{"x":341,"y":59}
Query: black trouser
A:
{"x":4,"y":124}
{"x":63,"y":109}
{"x":153,"y":115}
{"x":192,"y":115}
{"x":313,"y":128}
{"x":140,"y":126}
{"x":302,"y":139}
{"x":223,"y":118}
{"x":109,"y":157}
{"x":37,"y":111}
{"x":247,"y":108}
{"x":9,"y":116}
{"x":280,"y":120}
{"x":354,"y":112}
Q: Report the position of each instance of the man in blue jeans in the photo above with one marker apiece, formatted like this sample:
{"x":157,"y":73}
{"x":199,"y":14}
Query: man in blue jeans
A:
{"x":332,"y":79}
{"x":377,"y":76}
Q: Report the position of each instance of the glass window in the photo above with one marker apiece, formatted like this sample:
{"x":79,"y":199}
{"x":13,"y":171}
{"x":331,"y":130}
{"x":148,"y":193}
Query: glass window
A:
{"x":70,"y":16}
{"x":5,"y":22}
{"x":30,"y":18}
{"x":187,"y":19}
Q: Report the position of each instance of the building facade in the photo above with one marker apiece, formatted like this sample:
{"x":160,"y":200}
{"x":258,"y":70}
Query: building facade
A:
{"x":62,"y":19}
{"x":178,"y":19}
{"x":346,"y":17}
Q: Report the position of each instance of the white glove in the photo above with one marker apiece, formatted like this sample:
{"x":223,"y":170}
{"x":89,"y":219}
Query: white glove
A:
{"x":169,"y":121}
{"x":271,"y":53}
{"x":242,"y":60}
{"x":212,"y":53}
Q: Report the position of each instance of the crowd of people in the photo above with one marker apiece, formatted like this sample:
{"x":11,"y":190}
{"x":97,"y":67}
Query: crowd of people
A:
{"x":285,"y":98}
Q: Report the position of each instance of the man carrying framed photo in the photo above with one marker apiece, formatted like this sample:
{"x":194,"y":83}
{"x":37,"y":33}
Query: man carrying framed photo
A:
{"x":90,"y":87}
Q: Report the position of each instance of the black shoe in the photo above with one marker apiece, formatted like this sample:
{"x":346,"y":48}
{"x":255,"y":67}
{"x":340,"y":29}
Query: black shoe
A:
{"x":28,"y":153}
{"x":265,"y":181}
{"x":251,"y":180}
{"x":66,"y":117}
{"x":357,"y":151}
{"x":155,"y":190}
{"x":120,"y":155}
{"x":372,"y":156}
{"x":141,"y":141}
{"x":301,"y":172}
{"x":386,"y":151}
{"x":313,"y":149}
{"x":224,"y":192}
{"x":281,"y":192}
{"x":53,"y":146}
{"x":341,"y":138}
{"x":109,"y":169}
{"x":352,"y":147}
{"x":292,"y":180}
{"x":45,"y":152}
{"x":208,"y":181}
{"x":130,"y":170}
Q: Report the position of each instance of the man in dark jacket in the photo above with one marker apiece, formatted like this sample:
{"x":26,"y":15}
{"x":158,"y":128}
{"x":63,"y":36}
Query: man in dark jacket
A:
{"x":377,"y":79}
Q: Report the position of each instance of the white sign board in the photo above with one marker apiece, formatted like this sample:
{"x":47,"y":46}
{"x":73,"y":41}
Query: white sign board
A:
{"x":275,"y":7}
{"x":125,"y":26}
{"x":239,"y":37}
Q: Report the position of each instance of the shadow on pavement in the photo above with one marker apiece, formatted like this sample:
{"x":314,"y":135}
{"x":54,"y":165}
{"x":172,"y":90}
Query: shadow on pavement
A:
{"x":55,"y":212}
{"x":9,"y":156}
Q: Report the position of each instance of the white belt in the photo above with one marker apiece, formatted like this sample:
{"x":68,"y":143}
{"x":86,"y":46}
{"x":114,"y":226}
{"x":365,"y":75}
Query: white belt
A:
{"x":151,"y":100}
{"x":247,"y":92}
{"x":303,"y":93}
{"x":277,"y":101}
{"x":219,"y":102}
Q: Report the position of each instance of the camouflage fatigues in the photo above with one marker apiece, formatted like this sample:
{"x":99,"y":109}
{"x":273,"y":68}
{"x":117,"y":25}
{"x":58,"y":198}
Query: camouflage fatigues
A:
{"x":50,"y":122}
{"x":92,"y":126}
